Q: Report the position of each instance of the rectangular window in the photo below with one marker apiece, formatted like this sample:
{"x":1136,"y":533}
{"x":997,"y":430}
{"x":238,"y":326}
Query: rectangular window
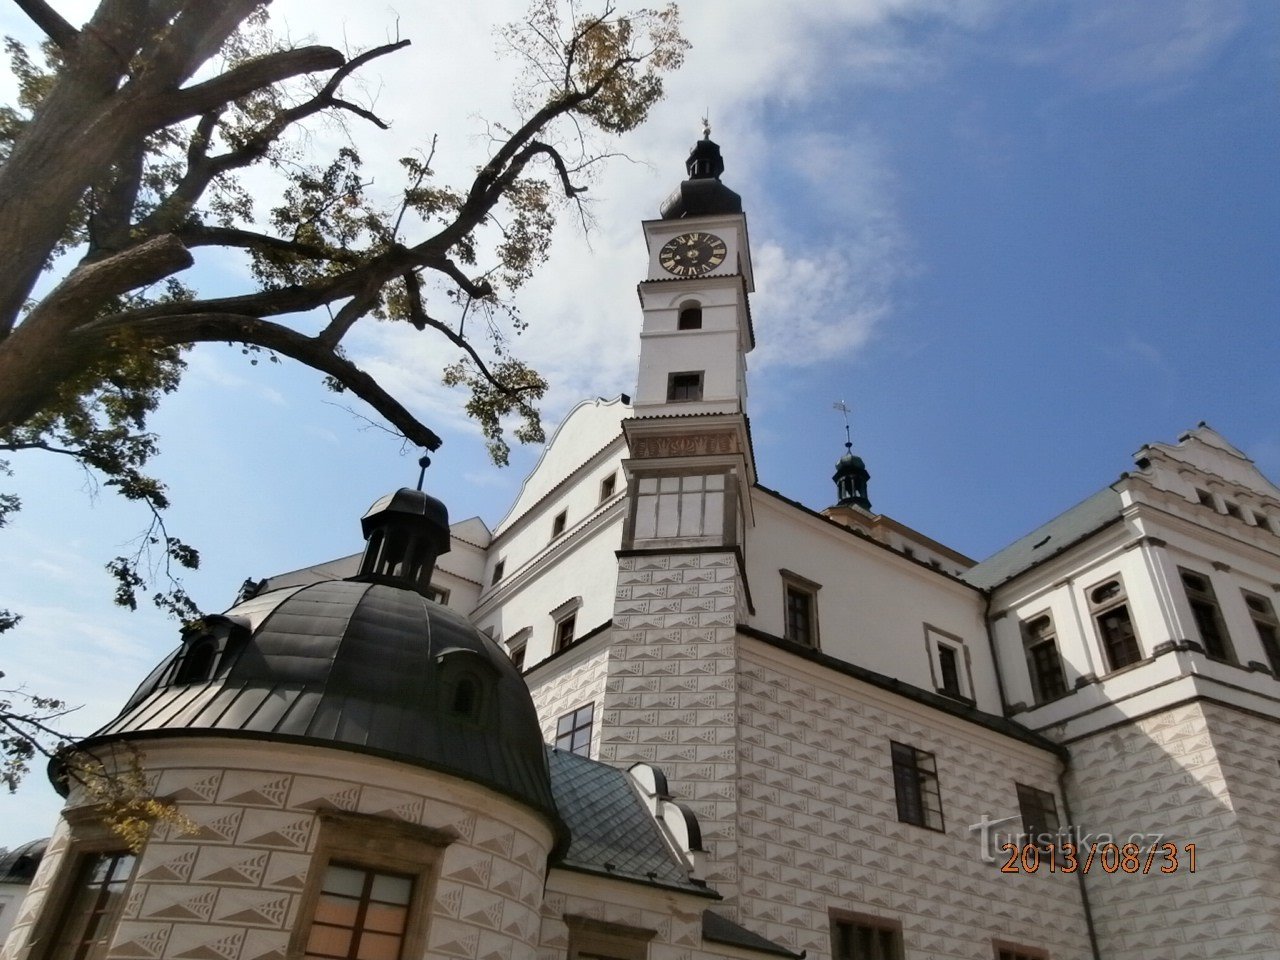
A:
{"x":949,"y":668}
{"x":517,"y":655}
{"x":573,"y":731}
{"x":360,"y":914}
{"x":1039,"y":814}
{"x":366,"y":890}
{"x":1012,"y":951}
{"x":558,"y":524}
{"x":858,"y":937}
{"x":669,"y":507}
{"x":682,"y":387}
{"x":499,"y":569}
{"x":438,"y":594}
{"x":1265,"y":622}
{"x":1233,"y":509}
{"x":1204,"y":607}
{"x":1040,"y":642}
{"x":1206,"y":498}
{"x":607,"y":486}
{"x":801,"y":615}
{"x":564,"y":631}
{"x":1110,"y":609}
{"x":915,"y":784}
{"x":94,"y":906}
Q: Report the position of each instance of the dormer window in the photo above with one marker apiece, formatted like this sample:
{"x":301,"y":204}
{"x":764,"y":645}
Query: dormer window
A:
{"x":197,"y":661}
{"x":690,"y":318}
{"x":466,"y":687}
{"x":208,"y":648}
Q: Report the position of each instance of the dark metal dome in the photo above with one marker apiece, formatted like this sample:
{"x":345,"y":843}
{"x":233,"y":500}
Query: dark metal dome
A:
{"x":19,"y":864}
{"x":365,"y":666}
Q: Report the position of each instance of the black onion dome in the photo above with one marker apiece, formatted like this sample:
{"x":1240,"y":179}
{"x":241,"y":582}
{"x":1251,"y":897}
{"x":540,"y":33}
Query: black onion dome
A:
{"x":702,"y":194}
{"x":358,"y":665}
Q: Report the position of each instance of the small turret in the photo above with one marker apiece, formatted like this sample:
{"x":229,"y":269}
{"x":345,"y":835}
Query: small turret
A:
{"x":406,"y":532}
{"x":851,"y":478}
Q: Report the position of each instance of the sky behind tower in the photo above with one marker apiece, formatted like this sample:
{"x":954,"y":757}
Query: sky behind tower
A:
{"x":1019,"y":240}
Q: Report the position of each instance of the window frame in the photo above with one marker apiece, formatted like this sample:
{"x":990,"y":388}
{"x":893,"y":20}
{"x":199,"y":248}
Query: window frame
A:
{"x":438,"y":595}
{"x":575,"y":726}
{"x":1031,"y":641}
{"x":608,"y":486}
{"x":938,"y":640}
{"x":380,"y":845}
{"x":590,"y":938}
{"x":689,"y":316}
{"x":1265,"y":621}
{"x":559,"y":523}
{"x":692,"y":382}
{"x":559,"y":639}
{"x":1006,"y":950}
{"x":499,"y":571}
{"x":90,"y":838}
{"x":1033,"y":803}
{"x":868,"y":923}
{"x":806,"y":591}
{"x":1206,"y":611}
{"x":916,"y":771}
{"x":1101,"y":608}
{"x":713,"y":500}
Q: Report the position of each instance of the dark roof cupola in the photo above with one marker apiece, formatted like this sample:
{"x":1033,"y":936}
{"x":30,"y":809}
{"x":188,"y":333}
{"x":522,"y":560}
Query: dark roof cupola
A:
{"x":851,"y":478}
{"x":405,"y":533}
{"x":702,"y":194}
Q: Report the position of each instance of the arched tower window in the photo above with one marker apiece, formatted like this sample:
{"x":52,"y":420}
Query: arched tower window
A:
{"x":690,"y":317}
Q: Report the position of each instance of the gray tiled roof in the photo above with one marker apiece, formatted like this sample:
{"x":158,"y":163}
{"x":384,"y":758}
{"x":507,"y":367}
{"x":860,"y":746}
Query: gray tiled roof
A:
{"x":718,"y":929}
{"x":612,"y":831}
{"x":1046,"y":541}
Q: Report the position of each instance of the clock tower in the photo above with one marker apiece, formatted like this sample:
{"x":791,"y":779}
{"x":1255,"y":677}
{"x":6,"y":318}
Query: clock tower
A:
{"x":689,"y":440}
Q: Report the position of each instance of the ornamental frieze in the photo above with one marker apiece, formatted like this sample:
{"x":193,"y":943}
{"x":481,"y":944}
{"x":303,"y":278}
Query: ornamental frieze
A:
{"x":685,"y":445}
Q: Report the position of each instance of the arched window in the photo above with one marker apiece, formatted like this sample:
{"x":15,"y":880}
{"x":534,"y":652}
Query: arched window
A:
{"x":690,"y":317}
{"x":466,"y":689}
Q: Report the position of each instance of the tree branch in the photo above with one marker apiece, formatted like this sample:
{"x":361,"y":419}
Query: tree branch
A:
{"x":246,"y":78}
{"x":216,"y":327}
{"x":51,"y":22}
{"x":198,"y":235}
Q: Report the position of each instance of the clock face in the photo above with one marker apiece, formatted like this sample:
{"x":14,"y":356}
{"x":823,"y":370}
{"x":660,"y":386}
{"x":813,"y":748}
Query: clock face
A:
{"x":692,"y":254}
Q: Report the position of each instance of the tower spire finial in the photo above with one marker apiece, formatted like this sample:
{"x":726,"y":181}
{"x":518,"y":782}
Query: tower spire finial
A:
{"x":706,"y":125}
{"x":845,"y":409}
{"x":851,"y":473}
{"x":424,"y":461}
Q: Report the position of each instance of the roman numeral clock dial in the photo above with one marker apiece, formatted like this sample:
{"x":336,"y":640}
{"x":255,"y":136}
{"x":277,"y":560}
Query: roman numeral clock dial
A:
{"x":692,"y":254}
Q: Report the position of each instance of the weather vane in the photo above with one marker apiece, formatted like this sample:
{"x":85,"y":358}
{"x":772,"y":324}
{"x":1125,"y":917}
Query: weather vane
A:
{"x":706,"y":124}
{"x":845,"y":409}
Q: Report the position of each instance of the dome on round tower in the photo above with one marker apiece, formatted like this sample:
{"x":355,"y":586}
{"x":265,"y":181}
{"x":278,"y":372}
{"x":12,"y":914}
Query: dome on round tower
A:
{"x":367,"y":664}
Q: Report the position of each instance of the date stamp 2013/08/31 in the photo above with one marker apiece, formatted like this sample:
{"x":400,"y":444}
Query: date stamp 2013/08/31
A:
{"x":1128,"y":858}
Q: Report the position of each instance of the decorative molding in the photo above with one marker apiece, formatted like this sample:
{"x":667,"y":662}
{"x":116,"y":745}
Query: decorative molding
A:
{"x":685,"y":445}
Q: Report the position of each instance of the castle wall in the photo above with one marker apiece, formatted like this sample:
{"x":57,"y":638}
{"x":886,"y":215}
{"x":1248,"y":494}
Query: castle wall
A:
{"x":1196,"y":773}
{"x":232,"y":889}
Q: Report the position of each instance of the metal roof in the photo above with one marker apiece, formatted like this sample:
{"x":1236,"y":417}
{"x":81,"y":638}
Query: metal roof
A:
{"x":613,"y":833}
{"x":360,"y":666}
{"x":19,"y":864}
{"x":718,"y":929}
{"x":1060,"y":533}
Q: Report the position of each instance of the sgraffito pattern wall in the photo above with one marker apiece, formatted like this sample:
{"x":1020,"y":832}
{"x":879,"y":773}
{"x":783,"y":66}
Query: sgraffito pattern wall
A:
{"x":819,"y":828}
{"x":231,"y":889}
{"x":1198,"y":774}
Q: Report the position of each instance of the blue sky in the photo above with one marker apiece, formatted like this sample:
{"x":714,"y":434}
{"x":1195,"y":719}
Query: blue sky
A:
{"x":1020,"y":239}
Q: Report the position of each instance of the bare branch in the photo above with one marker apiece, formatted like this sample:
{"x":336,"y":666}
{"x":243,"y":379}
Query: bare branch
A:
{"x":51,"y":22}
{"x":217,"y":327}
{"x":246,"y":78}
